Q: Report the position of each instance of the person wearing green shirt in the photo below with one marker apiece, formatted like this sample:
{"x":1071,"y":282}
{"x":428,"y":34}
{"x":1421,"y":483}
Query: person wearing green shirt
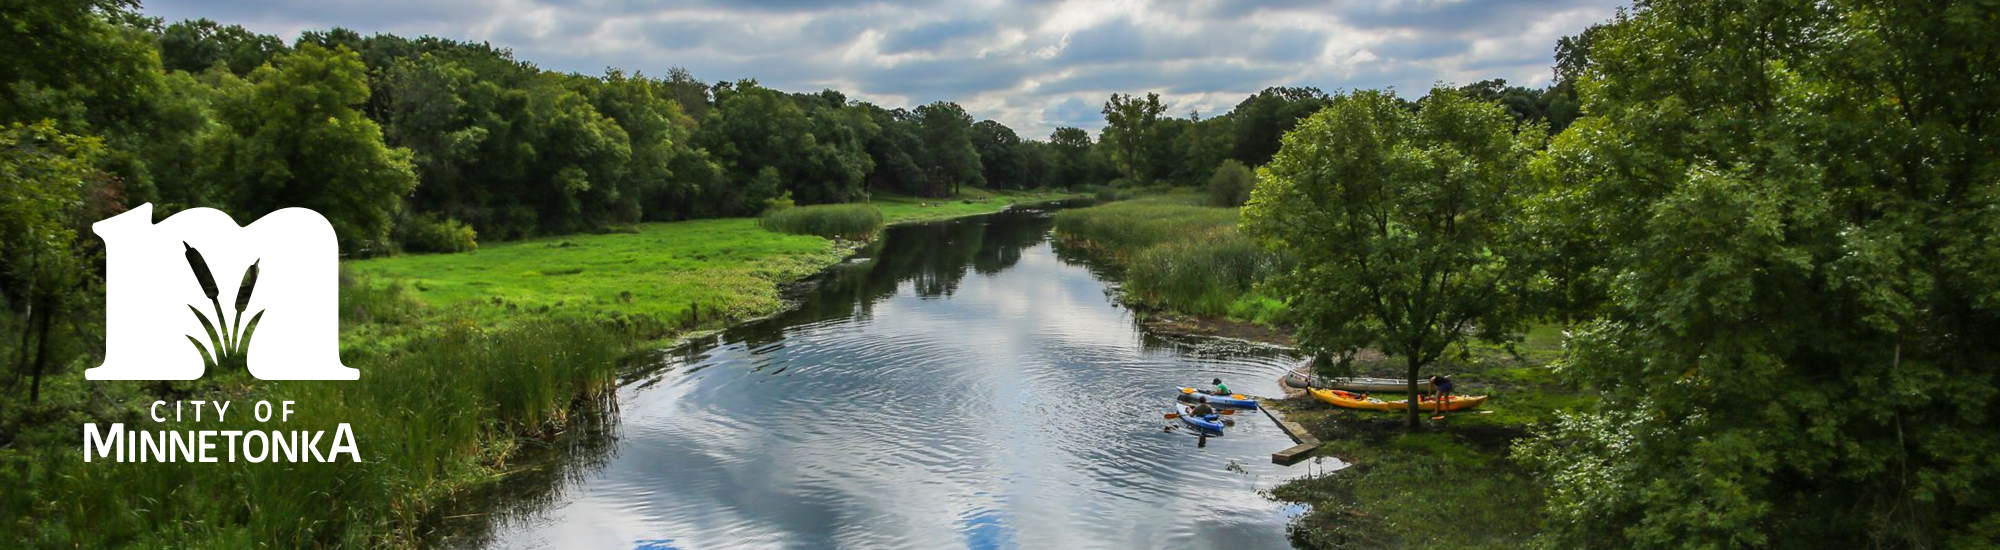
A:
{"x":1220,"y":388}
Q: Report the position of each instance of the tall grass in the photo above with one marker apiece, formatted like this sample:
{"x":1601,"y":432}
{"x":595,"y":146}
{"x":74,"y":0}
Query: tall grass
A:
{"x":1178,"y":253}
{"x":1123,"y":228}
{"x":845,"y":221}
{"x":1206,"y":273}
{"x":432,"y":417}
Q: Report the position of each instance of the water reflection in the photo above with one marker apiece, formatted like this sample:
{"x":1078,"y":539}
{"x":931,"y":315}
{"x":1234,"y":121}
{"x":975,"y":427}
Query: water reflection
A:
{"x":960,"y":386}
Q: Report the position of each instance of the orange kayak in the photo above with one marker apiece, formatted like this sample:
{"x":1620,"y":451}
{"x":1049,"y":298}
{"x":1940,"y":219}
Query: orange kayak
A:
{"x":1363,"y":401}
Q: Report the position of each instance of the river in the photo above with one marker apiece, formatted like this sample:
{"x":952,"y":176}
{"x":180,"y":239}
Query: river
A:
{"x":958,"y":384}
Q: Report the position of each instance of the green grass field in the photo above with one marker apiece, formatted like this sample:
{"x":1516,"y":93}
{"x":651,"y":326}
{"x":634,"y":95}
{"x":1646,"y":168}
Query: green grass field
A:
{"x":665,"y":278}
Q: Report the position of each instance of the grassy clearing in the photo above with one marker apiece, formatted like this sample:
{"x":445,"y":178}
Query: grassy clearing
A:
{"x":432,"y":417}
{"x":1453,"y":485}
{"x":854,"y":222}
{"x":665,"y":278}
{"x":657,"y":282}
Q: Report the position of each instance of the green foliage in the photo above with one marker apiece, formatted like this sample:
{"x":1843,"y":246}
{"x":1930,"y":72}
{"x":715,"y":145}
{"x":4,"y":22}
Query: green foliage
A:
{"x":948,"y":154}
{"x":429,"y":427}
{"x":1125,"y":227}
{"x":846,"y":221}
{"x":195,"y":45}
{"x":1231,"y":184}
{"x":1132,"y":137}
{"x":1400,"y":222}
{"x":432,"y":234}
{"x":296,"y":138}
{"x":1204,"y":273}
{"x":1788,"y":212}
{"x":1261,"y":120}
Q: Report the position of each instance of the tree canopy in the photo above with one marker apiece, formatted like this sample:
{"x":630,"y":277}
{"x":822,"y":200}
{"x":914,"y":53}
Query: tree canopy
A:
{"x":1400,"y":224}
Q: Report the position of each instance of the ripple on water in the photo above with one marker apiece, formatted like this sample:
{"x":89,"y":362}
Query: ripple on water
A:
{"x":939,"y":396}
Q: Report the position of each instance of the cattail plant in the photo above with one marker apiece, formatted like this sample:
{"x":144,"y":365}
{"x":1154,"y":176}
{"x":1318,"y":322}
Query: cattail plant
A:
{"x":230,"y":344}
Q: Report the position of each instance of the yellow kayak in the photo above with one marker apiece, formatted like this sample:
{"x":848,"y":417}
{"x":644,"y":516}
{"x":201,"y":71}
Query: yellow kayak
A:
{"x":1363,"y":401}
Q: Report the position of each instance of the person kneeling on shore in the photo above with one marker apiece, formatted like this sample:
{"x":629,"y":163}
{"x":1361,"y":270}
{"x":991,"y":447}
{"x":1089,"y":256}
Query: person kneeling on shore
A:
{"x":1441,"y":392}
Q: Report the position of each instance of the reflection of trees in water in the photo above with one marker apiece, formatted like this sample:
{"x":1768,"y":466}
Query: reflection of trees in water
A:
{"x":539,"y":475}
{"x":933,"y":257}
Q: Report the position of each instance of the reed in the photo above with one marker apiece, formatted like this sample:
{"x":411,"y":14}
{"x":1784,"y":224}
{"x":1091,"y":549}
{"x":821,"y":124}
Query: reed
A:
{"x":226,"y":345}
{"x":1207,"y":273}
{"x":844,"y":221}
{"x":434,"y":416}
{"x":1124,"y":228}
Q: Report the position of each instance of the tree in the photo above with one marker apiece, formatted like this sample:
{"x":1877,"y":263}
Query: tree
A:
{"x":43,"y":173}
{"x":1260,"y":120}
{"x":1000,"y":155}
{"x":1070,"y":152}
{"x":1130,"y":128}
{"x":195,"y":45}
{"x":1231,"y":184}
{"x":949,"y":157}
{"x":1795,"y":206}
{"x":296,"y":138}
{"x":1399,"y":222}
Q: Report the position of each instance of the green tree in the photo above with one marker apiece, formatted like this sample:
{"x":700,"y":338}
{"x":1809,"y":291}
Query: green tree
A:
{"x":1070,"y":154}
{"x":43,"y":175}
{"x":195,"y":45}
{"x":1131,"y":128}
{"x":1231,"y":183}
{"x":1000,"y":155}
{"x":949,"y":157}
{"x":296,"y":138}
{"x":1795,"y":204}
{"x":1399,"y":222}
{"x":1261,"y":120}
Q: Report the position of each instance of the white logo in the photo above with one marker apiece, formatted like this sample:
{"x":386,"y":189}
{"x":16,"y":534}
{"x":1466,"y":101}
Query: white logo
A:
{"x":197,"y":292}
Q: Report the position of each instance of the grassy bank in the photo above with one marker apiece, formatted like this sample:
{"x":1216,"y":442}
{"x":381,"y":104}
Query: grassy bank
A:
{"x":435,"y":415}
{"x":1454,"y":485}
{"x":1178,"y":255}
{"x":658,"y":281}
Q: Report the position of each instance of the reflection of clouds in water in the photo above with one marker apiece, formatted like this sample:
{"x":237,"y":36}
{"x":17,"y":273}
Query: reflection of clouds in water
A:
{"x":1019,"y":411}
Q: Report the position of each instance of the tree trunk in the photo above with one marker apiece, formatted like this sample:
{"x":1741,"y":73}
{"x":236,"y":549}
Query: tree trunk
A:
{"x":1414,"y":417}
{"x":41,"y":355}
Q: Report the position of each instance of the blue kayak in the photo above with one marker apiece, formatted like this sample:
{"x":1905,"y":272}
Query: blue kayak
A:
{"x":1207,"y":425}
{"x":1236,"y":400}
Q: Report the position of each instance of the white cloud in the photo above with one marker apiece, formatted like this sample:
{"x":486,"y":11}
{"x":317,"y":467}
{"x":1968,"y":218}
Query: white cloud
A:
{"x":1030,"y":65}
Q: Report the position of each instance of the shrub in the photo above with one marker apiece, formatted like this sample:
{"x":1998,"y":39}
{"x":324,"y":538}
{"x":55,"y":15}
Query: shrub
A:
{"x":1231,"y":184}
{"x":1205,"y":274}
{"x":431,"y":234}
{"x":845,"y":221}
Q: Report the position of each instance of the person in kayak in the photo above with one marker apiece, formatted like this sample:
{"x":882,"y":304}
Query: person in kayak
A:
{"x":1220,"y":388}
{"x":1440,"y":392}
{"x":1201,"y":409}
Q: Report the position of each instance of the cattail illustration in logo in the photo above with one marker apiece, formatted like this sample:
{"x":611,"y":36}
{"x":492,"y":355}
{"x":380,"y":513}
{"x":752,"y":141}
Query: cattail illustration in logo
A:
{"x":229,"y":344}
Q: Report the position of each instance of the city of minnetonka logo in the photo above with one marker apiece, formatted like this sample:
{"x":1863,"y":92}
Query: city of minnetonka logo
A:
{"x":123,"y":445}
{"x":165,"y":320}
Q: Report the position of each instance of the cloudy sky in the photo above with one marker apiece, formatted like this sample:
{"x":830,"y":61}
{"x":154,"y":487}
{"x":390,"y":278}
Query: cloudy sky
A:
{"x":1031,"y":65}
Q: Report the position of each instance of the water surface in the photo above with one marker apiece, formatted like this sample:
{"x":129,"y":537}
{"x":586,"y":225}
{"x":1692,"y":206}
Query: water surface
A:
{"x":961,"y":384}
